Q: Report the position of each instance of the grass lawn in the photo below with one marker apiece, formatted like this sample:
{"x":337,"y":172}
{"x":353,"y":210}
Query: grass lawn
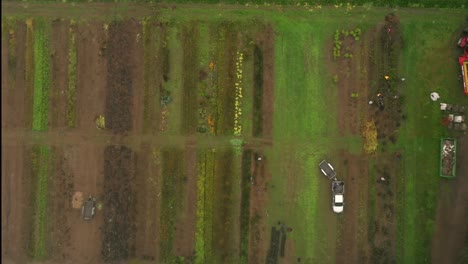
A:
{"x":429,"y":65}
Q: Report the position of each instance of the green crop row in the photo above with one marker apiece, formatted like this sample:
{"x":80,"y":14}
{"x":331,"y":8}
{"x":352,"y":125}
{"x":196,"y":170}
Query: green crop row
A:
{"x":71,"y":95}
{"x":205,"y":192}
{"x":41,"y":167}
{"x":41,"y":31}
{"x":151,"y":97}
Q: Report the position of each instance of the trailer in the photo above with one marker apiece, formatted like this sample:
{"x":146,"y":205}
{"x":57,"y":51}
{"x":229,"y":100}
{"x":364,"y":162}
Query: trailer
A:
{"x":327,"y":169}
{"x":448,"y":154}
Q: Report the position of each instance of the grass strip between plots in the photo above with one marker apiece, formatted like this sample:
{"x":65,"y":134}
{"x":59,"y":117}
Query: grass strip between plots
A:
{"x":299,"y":88}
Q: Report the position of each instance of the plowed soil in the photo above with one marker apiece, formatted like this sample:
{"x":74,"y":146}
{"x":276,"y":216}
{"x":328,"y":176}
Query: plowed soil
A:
{"x":450,"y":236}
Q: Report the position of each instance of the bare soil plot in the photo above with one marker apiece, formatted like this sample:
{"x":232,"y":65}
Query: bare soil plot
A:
{"x":450,"y":232}
{"x":91,"y":75}
{"x":184,"y":242}
{"x":15,"y":201}
{"x":59,"y":83}
{"x":148,"y":208}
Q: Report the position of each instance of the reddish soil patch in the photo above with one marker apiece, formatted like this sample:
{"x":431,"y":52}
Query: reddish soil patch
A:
{"x":259,"y":230}
{"x":91,"y":69}
{"x":59,"y":85}
{"x":15,"y":201}
{"x":268,"y":44}
{"x":450,"y":236}
{"x":184,"y":242}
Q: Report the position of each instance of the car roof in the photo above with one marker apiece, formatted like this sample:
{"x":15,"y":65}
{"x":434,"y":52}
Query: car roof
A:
{"x":338,"y":198}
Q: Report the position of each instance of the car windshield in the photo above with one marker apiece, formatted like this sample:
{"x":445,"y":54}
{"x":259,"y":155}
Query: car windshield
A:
{"x":339,"y":204}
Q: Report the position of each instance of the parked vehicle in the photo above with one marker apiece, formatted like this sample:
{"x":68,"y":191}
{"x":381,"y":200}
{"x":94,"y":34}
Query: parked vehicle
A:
{"x":463,"y":59}
{"x":327,"y":169}
{"x":338,"y":196}
{"x":88,"y":209}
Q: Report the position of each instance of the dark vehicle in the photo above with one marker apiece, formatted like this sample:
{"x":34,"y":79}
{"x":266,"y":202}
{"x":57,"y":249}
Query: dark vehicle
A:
{"x":88,"y":209}
{"x":327,"y":169}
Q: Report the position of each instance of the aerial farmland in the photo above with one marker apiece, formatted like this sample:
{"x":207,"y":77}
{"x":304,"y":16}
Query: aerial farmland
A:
{"x":193,"y":133}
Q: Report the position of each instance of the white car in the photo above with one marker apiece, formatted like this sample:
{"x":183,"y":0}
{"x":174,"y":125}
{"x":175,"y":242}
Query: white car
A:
{"x":338,"y":196}
{"x":338,"y":203}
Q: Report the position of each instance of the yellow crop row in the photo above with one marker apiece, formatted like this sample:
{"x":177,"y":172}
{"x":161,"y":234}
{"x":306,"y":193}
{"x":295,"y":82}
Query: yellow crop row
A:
{"x":238,"y":101}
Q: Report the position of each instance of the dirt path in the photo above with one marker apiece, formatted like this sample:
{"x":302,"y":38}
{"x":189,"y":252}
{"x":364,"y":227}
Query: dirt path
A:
{"x":85,"y":160}
{"x":451,"y":229}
